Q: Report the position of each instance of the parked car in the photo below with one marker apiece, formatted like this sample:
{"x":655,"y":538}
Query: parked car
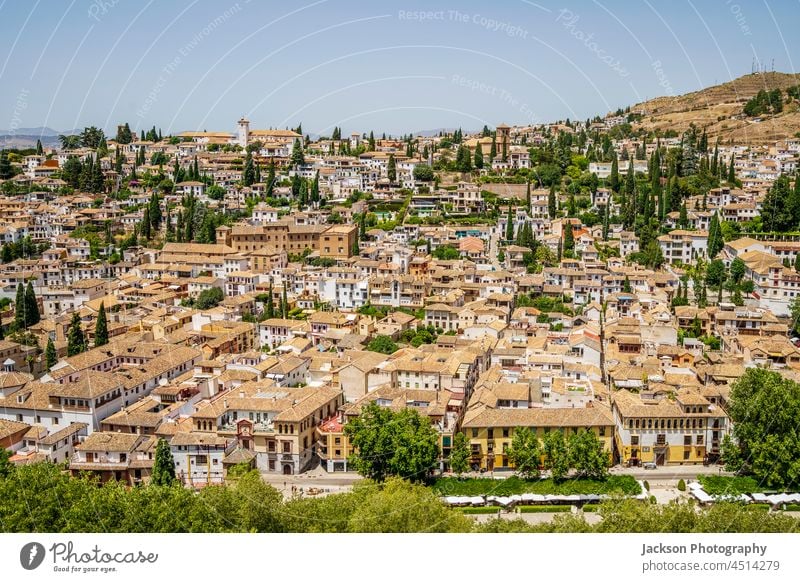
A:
{"x":649,"y":465}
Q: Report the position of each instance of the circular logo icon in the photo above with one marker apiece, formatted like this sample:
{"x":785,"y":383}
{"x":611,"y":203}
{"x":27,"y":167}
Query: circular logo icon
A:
{"x":31,"y":555}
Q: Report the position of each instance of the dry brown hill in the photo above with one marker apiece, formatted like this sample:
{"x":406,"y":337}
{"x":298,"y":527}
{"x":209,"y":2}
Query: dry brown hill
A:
{"x":719,"y":110}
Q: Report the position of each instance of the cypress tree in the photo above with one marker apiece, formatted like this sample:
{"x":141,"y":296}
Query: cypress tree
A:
{"x":101,"y":327}
{"x":551,"y":202}
{"x":76,"y":342}
{"x":493,"y":150}
{"x":249,"y":174}
{"x":315,"y":189}
{"x":50,"y":355}
{"x":155,"y":211}
{"x":31,"y":306}
{"x":284,"y":303}
{"x":613,"y":179}
{"x":478,"y":162}
{"x":528,"y":196}
{"x":715,"y":242}
{"x":145,"y":225}
{"x":569,"y":238}
{"x":362,"y":225}
{"x":731,"y":172}
{"x":297,"y":154}
{"x":270,"y":179}
{"x":510,"y":224}
{"x":163,"y":465}
{"x":391,"y":169}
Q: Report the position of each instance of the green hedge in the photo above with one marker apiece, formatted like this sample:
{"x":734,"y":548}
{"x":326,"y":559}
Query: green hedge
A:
{"x":478,"y":510}
{"x":722,"y":485}
{"x":544,"y":508}
{"x":620,"y":484}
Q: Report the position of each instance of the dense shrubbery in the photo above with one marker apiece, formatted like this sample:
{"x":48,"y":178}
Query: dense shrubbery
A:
{"x":42,"y":498}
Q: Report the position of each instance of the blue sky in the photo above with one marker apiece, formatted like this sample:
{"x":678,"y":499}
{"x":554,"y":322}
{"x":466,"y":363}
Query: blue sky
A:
{"x":387,"y":66}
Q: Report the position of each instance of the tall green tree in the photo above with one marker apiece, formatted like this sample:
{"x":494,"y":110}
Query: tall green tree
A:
{"x":569,"y":238}
{"x":478,"y":161}
{"x":31,"y":306}
{"x":101,"y":327}
{"x":50,"y":354}
{"x":613,"y":178}
{"x":587,"y":455}
{"x":76,"y":341}
{"x":715,"y":240}
{"x":525,"y":452}
{"x":249,"y":173}
{"x":6,"y":171}
{"x":556,"y":454}
{"x":163,"y":465}
{"x":270,"y":306}
{"x":776,"y":209}
{"x":551,"y":202}
{"x":510,"y":223}
{"x":386,"y":443}
{"x":391,"y":169}
{"x":145,"y":227}
{"x":764,"y":409}
{"x":298,"y":158}
{"x":459,"y":454}
{"x":528,"y":196}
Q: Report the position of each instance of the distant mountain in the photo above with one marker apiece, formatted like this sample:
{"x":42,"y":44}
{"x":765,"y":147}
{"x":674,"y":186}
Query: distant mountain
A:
{"x":719,"y":109}
{"x":37,"y":131}
{"x":26,"y":137}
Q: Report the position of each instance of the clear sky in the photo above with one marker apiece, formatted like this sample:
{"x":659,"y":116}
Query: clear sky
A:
{"x":387,"y":66}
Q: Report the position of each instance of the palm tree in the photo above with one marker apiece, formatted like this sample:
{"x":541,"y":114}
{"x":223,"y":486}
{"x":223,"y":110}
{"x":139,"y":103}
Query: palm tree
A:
{"x":69,"y":142}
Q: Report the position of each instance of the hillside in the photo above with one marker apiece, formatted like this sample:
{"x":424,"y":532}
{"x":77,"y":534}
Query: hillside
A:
{"x":719,"y":110}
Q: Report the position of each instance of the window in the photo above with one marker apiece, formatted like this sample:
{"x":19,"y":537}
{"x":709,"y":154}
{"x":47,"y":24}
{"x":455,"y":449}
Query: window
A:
{"x":474,"y":430}
{"x":272,"y":465}
{"x":635,"y":440}
{"x":686,"y":455}
{"x":687,"y":440}
{"x":287,"y":447}
{"x":505,"y":433}
{"x":699,"y":439}
{"x":601,"y":431}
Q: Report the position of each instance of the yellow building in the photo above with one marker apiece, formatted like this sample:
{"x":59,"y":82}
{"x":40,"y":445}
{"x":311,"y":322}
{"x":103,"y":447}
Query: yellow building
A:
{"x":489,"y":430}
{"x":667,"y":429}
{"x":438,"y":406}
